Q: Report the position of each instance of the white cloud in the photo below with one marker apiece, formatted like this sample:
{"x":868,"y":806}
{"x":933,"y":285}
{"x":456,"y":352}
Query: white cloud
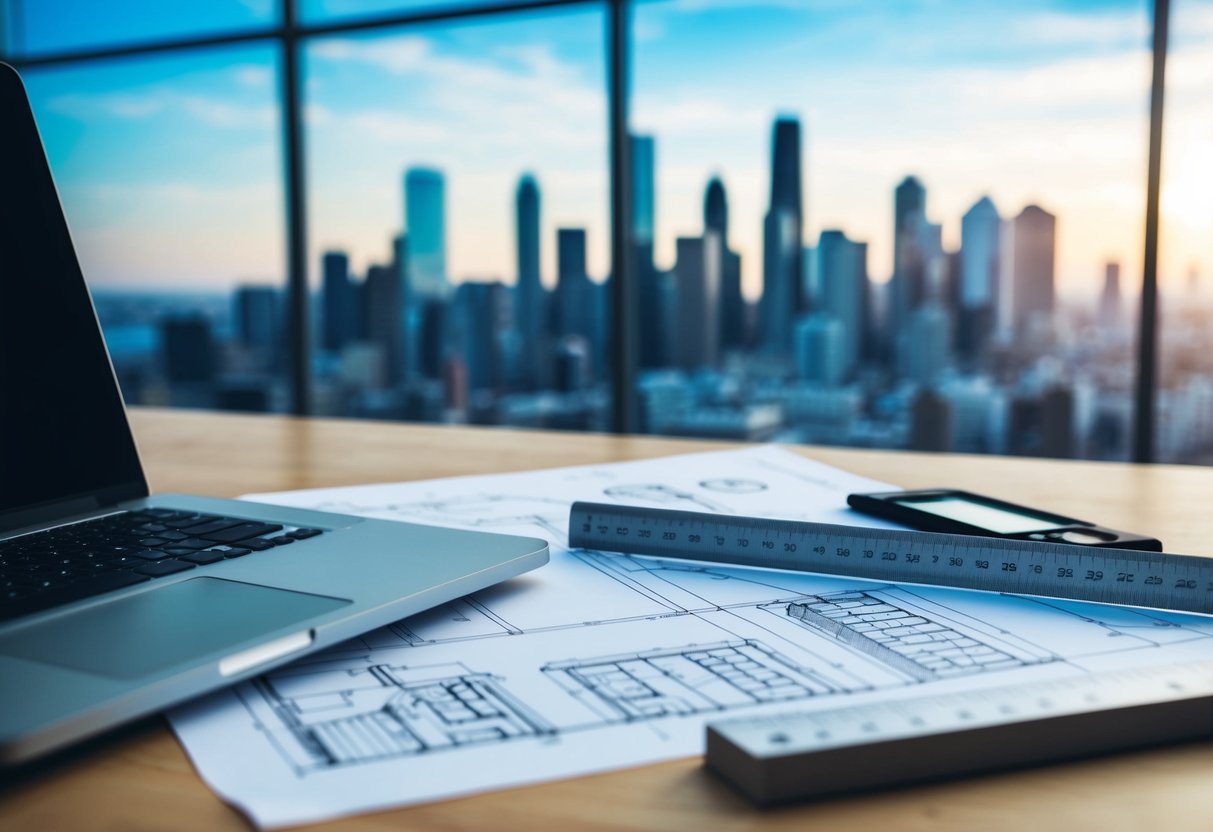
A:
{"x":213,"y":111}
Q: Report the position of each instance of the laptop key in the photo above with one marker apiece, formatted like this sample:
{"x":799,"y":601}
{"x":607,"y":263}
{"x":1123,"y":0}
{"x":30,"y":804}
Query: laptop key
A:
{"x":215,"y":524}
{"x":149,"y":554}
{"x":203,"y":558}
{"x":235,"y":552}
{"x":304,"y":534}
{"x":163,"y":567}
{"x":239,"y":532}
{"x":257,"y":545}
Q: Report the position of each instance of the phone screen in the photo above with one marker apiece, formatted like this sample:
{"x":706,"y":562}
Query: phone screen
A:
{"x":990,"y":518}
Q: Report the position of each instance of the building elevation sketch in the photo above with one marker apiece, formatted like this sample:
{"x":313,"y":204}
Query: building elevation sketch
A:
{"x":600,"y":660}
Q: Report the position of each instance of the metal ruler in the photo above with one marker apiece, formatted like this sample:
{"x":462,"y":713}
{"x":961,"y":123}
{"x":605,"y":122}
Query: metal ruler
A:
{"x":791,"y":756}
{"x":1179,"y":583}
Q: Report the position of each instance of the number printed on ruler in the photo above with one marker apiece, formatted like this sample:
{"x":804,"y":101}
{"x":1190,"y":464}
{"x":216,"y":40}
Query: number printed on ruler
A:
{"x":1179,"y":583}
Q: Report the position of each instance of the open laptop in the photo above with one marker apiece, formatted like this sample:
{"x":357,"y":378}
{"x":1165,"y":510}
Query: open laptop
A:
{"x":115,"y":603}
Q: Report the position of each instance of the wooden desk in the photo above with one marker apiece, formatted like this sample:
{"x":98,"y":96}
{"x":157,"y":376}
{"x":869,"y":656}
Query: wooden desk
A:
{"x":139,"y":778}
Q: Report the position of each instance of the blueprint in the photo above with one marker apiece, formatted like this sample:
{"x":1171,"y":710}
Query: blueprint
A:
{"x":599,"y":661}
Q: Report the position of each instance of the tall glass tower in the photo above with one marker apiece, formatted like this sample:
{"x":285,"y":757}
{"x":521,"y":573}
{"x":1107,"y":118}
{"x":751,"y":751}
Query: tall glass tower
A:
{"x":783,"y":263}
{"x":425,"y":224}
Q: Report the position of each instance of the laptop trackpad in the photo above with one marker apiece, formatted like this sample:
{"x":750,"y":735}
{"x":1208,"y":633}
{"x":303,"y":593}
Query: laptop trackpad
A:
{"x":156,"y":630}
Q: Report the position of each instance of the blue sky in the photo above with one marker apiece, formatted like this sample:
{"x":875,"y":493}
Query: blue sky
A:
{"x":171,"y":173}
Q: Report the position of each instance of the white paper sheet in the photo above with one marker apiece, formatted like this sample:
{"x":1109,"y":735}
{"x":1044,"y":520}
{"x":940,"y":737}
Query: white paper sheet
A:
{"x":600,"y":661}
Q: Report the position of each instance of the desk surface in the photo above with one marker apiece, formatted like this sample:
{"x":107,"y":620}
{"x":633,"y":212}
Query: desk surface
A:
{"x":139,"y":778}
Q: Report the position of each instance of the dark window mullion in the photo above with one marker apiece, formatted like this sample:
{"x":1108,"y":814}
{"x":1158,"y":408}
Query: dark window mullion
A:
{"x":1147,"y":332}
{"x":623,"y":289}
{"x":298,"y":329}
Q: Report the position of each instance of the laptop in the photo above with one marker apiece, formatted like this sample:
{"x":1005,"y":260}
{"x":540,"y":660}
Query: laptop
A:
{"x":115,"y":603}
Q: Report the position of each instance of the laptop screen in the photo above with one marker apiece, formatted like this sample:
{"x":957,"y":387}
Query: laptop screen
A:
{"x":63,"y":430}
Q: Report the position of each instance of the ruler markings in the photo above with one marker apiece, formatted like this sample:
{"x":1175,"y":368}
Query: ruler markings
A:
{"x":1154,"y":580}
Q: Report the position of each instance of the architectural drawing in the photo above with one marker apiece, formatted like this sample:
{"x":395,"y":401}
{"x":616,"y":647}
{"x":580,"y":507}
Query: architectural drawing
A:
{"x":600,"y":660}
{"x":693,"y":679}
{"x":384,"y":712}
{"x":900,"y":636}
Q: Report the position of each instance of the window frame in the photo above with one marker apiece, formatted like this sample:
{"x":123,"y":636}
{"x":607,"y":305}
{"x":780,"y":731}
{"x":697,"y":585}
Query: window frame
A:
{"x":291,"y":34}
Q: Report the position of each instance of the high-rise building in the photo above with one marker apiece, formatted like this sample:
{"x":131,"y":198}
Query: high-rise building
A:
{"x":931,"y":422}
{"x":697,"y":289}
{"x":980,"y":258}
{"x":908,"y":283}
{"x":531,"y":311}
{"x":1034,"y":246}
{"x":1057,"y":437}
{"x":484,"y":318}
{"x":821,"y":349}
{"x":843,"y":275}
{"x":783,"y":267}
{"x":1110,"y":302}
{"x":340,"y":314}
{"x":652,"y":310}
{"x":926,"y":344}
{"x":644,"y":202}
{"x":732,"y":320}
{"x":425,"y":224}
{"x":257,"y":313}
{"x":573,"y":300}
{"x":384,"y":303}
{"x":188,"y":347}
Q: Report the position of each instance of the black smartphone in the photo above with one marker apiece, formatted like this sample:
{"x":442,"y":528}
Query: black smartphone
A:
{"x":961,"y":512}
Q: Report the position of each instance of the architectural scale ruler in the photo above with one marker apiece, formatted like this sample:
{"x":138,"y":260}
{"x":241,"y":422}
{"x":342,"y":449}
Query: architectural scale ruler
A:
{"x":1154,"y":580}
{"x":792,"y":756}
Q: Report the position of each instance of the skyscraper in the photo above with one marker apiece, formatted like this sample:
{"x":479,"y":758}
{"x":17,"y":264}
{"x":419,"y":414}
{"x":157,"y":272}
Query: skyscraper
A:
{"x":1032,"y":293}
{"x":821,"y":349}
{"x":258,"y":318}
{"x":908,"y":285}
{"x":782,"y":267}
{"x":425,"y":224}
{"x":732,"y":305}
{"x":340,"y":302}
{"x":531,"y":307}
{"x":1110,"y":304}
{"x":484,"y":318}
{"x":650,"y":297}
{"x":384,"y":303}
{"x":697,"y":290}
{"x":189,"y":349}
{"x":574,"y":314}
{"x":980,"y":258}
{"x":843,"y":266}
{"x":644,"y":203}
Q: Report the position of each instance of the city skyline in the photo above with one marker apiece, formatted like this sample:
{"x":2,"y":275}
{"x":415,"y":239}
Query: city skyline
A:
{"x":540,"y":67}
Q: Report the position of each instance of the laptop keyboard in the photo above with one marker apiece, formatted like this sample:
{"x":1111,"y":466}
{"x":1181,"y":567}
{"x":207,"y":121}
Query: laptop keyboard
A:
{"x":43,"y":570}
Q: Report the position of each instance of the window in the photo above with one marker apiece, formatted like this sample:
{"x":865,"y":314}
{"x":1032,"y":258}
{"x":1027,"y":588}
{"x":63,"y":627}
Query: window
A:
{"x":916,"y":203}
{"x":459,"y":221}
{"x":39,"y":27}
{"x":168,"y":169}
{"x":1185,"y":271}
{"x":911,"y":225}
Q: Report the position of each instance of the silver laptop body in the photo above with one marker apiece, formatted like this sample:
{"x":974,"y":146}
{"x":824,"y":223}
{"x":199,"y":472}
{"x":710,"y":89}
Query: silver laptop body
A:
{"x":73,"y":666}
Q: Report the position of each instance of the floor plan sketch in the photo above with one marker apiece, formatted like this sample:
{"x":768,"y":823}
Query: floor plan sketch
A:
{"x":693,"y":679}
{"x":600,"y":660}
{"x":383,"y":712}
{"x":902,"y":637}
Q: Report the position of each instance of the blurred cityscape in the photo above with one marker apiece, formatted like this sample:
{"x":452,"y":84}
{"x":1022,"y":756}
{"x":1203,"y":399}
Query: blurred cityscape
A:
{"x":970,"y":350}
